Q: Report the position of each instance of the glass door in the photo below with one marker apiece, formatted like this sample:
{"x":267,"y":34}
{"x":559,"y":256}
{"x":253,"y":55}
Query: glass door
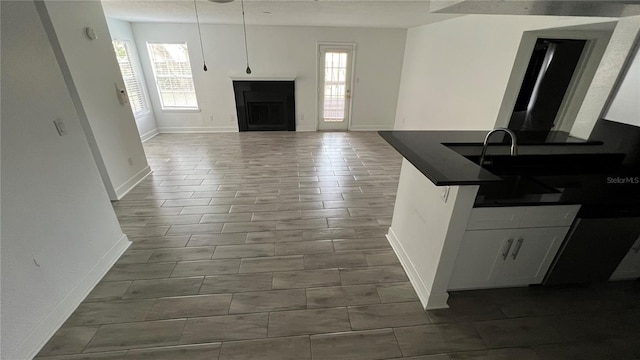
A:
{"x":335,"y":79}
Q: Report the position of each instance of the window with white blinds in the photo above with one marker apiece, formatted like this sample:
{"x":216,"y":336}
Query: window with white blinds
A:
{"x":131,"y":81}
{"x":172,"y":70}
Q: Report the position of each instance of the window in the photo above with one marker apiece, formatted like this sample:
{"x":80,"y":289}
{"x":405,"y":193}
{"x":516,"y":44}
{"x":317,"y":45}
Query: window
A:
{"x":172,"y":70}
{"x":335,"y":84}
{"x":131,"y":81}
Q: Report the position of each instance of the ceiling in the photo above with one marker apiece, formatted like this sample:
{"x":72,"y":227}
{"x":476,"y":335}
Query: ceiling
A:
{"x":348,"y":13}
{"x":607,"y":8}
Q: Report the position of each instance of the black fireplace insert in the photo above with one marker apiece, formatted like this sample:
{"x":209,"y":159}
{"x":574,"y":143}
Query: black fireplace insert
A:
{"x":265,"y":105}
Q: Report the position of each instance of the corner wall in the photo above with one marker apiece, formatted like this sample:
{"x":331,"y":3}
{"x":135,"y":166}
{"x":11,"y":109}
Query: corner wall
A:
{"x":455,"y":72}
{"x":277,"y":51}
{"x":59,"y":231}
{"x":426,"y":232}
{"x":625,"y":107}
{"x":92,"y":73}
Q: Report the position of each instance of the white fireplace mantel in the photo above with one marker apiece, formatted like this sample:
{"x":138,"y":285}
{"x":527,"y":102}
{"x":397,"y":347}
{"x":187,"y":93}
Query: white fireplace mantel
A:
{"x":247,"y":77}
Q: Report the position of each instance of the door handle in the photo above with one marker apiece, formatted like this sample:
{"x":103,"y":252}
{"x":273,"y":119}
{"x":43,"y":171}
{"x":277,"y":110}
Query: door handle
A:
{"x":517,"y":249}
{"x":505,"y":253}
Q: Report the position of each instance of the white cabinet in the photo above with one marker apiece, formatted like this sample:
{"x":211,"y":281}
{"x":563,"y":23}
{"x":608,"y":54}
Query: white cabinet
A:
{"x":480,"y":258}
{"x":531,"y":256}
{"x":515,"y":255}
{"x":505,"y":257}
{"x":629,"y":267}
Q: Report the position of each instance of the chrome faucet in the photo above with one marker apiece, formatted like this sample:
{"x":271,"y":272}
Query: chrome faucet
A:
{"x":514,"y":143}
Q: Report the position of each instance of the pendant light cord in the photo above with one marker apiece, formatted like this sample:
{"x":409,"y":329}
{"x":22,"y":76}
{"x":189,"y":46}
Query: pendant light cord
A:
{"x":244,"y":28}
{"x":200,"y":35}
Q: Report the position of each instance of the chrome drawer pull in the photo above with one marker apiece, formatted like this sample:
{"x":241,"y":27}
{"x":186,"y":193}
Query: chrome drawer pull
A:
{"x":505,"y":253}
{"x":517,"y":249}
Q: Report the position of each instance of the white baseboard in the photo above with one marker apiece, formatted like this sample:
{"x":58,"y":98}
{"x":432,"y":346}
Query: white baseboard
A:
{"x":204,"y":130}
{"x":33,"y":343}
{"x":438,"y":301}
{"x":429,"y":301}
{"x":149,"y":135}
{"x":197,"y":130}
{"x":370,"y":127}
{"x":123,"y":189}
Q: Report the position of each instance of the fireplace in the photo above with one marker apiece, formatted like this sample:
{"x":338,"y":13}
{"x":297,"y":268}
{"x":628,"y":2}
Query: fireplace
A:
{"x":265,"y":105}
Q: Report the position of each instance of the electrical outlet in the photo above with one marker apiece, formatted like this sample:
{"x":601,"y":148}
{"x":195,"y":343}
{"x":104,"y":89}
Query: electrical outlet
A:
{"x":301,"y":117}
{"x":444,"y":194}
{"x":233,"y":118}
{"x":130,"y":160}
{"x":59,"y":124}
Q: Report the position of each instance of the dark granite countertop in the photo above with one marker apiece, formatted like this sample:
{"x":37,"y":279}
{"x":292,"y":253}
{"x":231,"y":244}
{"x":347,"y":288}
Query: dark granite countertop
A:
{"x":440,"y":164}
{"x":586,"y":174}
{"x":440,"y":155}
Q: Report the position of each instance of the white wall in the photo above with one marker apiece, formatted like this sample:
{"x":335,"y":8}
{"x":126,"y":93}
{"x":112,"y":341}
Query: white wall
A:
{"x":625,"y":107}
{"x":620,"y":47}
{"x":94,"y":73}
{"x":455,"y":72}
{"x":146,"y":121}
{"x":277,"y":51}
{"x":59,"y":231}
{"x":426,"y":232}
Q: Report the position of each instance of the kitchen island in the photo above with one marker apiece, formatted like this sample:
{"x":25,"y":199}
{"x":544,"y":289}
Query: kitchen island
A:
{"x":446,"y":204}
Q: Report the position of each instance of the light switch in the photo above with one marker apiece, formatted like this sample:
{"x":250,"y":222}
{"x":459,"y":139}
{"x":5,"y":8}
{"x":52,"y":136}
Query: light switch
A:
{"x":60,"y":127}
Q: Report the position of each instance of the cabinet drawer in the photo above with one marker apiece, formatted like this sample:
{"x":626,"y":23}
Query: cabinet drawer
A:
{"x":522,"y":217}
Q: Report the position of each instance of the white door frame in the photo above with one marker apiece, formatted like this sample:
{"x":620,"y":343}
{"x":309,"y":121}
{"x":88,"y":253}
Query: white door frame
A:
{"x":586,"y":68}
{"x":321,"y":47}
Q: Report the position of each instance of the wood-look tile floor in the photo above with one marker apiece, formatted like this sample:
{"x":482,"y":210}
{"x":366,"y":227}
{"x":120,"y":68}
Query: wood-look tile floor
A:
{"x":271,"y":246}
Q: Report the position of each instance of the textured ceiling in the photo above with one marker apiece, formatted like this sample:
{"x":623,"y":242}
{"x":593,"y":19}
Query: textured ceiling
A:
{"x":363,"y":13}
